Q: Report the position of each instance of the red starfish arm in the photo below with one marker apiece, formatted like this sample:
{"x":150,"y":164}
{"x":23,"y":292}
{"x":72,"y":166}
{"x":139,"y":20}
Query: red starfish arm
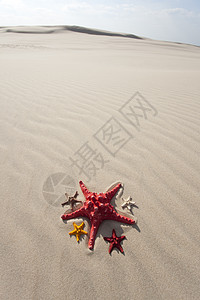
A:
{"x":107,"y":239}
{"x":111,"y":247}
{"x":114,"y":234}
{"x":121,"y":238}
{"x":85,"y":191}
{"x":93,"y":233}
{"x":120,"y":248}
{"x":110,"y":194}
{"x":77,"y":213}
{"x":119,"y":218}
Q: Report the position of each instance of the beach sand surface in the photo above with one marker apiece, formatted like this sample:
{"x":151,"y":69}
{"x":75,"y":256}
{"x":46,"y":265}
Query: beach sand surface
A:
{"x":101,"y":109}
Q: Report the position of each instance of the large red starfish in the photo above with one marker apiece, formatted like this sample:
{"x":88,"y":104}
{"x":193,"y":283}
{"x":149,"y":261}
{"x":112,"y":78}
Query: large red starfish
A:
{"x":97,"y":208}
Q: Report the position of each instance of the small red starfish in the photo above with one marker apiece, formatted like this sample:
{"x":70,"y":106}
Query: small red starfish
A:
{"x":115,"y":241}
{"x":97,"y":208}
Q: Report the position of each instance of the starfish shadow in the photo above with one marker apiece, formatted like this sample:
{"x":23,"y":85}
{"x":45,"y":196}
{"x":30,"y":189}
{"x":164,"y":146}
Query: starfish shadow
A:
{"x":131,"y":210}
{"x":136,"y":227}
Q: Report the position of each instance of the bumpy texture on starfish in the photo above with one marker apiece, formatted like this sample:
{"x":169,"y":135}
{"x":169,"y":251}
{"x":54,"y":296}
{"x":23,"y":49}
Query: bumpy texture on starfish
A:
{"x":78,"y":230}
{"x":115,"y":241}
{"x":127,"y":203}
{"x":97,"y":208}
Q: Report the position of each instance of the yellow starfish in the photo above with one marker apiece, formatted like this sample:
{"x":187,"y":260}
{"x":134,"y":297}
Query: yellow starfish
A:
{"x":78,"y":230}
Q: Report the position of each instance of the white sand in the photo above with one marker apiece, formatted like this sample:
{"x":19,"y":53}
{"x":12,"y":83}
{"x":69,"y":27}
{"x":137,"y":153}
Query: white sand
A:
{"x":56,"y":91}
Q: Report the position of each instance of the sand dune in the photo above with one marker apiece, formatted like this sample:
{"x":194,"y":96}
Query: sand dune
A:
{"x":80,"y":29}
{"x":62,"y":95}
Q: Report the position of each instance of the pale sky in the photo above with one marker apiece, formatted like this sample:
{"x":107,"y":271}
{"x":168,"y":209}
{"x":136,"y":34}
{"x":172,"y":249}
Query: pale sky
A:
{"x":171,"y":20}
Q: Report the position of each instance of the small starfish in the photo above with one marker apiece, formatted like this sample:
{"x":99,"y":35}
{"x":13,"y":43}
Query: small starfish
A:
{"x":97,"y":208}
{"x":115,"y":241}
{"x":71,"y":200}
{"x":128,"y":203}
{"x":78,"y":230}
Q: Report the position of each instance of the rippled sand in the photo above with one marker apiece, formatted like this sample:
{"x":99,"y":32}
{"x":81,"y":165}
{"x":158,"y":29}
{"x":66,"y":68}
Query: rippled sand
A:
{"x":98,"y":108}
